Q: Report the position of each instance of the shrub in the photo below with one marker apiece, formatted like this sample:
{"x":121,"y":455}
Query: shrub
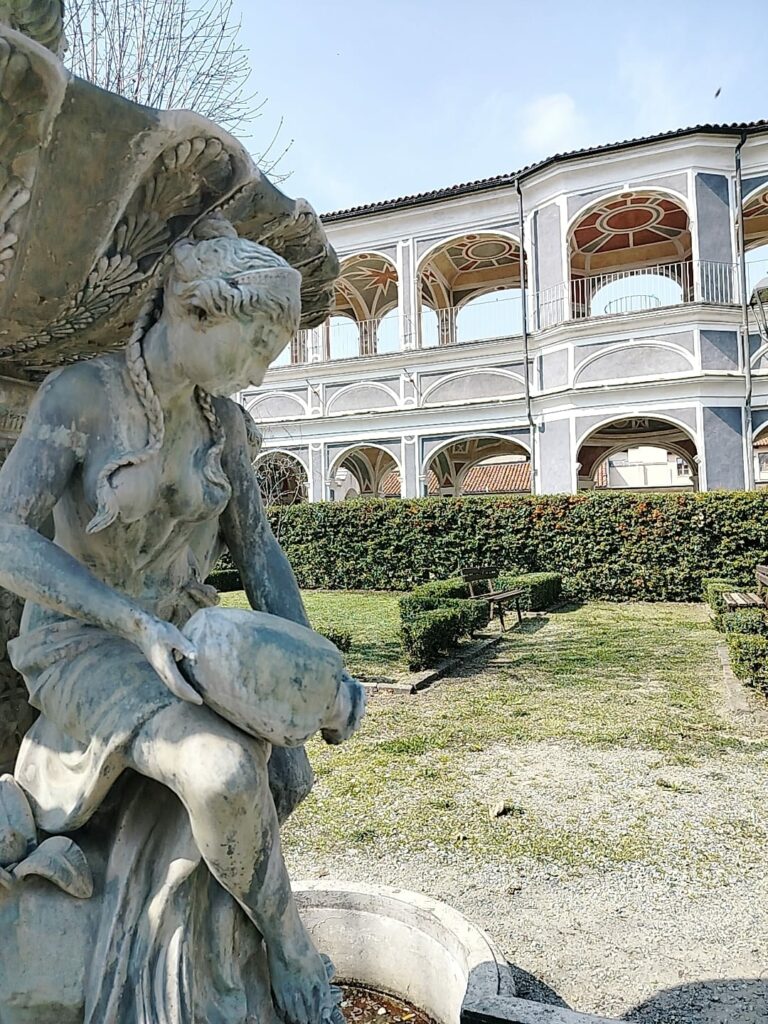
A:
{"x":619,"y":547}
{"x":745,"y":620}
{"x":225,"y":580}
{"x":339,"y":637}
{"x":713,"y":590}
{"x":749,"y":658}
{"x":540,"y":589}
{"x":429,"y":635}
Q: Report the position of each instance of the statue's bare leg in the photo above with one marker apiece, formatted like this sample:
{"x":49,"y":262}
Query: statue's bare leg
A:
{"x":221,"y":777}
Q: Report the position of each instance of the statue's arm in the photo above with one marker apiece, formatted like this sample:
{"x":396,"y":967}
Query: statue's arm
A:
{"x":267,"y":576}
{"x":33,"y":478}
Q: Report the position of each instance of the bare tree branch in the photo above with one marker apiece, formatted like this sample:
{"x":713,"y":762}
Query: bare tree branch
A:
{"x":170,"y":54}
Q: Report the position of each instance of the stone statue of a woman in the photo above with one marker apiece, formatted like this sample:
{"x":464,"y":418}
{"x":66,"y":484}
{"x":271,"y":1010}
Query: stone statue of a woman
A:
{"x":145,"y":465}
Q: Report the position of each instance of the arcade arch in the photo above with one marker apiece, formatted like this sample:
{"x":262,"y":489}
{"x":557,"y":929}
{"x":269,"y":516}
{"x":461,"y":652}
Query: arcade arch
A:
{"x":485,"y":464}
{"x":364,"y":319}
{"x":756,"y":236}
{"x":365,"y":471}
{"x":628,"y":253}
{"x":470,"y":289}
{"x":638,"y":453}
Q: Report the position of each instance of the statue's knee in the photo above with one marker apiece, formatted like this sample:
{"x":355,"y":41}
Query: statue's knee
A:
{"x":229,"y":772}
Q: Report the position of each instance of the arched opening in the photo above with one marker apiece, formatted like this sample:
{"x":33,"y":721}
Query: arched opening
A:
{"x":364,"y":321}
{"x":470,"y":290}
{"x":760,"y":456}
{"x":282,"y":479}
{"x":629,"y":254}
{"x":365,"y":472}
{"x":478,"y":465}
{"x":639,"y":454}
{"x":756,"y":237}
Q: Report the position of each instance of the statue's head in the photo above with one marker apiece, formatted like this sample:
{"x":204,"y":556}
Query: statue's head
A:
{"x":231,"y":306}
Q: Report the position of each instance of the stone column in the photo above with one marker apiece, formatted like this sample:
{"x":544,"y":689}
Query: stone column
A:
{"x":555,"y":458}
{"x":408,"y":293}
{"x":316,"y":472}
{"x":722,"y":431}
{"x":712,"y":235}
{"x":551,"y":293}
{"x":409,"y":475}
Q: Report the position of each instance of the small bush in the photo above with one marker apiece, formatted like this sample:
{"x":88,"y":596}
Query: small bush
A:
{"x":225,"y":580}
{"x":429,"y":635}
{"x":339,"y":637}
{"x":430,"y":596}
{"x":713,"y":593}
{"x":540,"y":589}
{"x":749,"y":659}
{"x":745,"y":620}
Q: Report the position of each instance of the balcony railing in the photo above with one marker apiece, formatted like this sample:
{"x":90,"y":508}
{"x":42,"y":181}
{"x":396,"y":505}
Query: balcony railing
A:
{"x":499,"y":315}
{"x":481,"y":320}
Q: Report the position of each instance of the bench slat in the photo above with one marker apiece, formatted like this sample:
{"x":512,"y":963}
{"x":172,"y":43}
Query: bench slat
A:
{"x":735,"y":599}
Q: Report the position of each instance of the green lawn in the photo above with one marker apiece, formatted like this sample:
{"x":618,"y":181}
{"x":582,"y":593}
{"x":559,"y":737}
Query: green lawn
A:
{"x":371,"y":617}
{"x":637,"y":683}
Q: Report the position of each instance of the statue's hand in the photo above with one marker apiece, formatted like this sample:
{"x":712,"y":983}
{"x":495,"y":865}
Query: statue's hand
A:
{"x":163,"y":645}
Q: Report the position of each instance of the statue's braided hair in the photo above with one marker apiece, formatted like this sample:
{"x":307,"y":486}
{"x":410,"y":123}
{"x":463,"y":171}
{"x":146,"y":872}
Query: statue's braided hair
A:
{"x":210,"y":274}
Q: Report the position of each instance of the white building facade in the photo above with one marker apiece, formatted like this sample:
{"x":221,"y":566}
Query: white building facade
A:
{"x":585,"y":308}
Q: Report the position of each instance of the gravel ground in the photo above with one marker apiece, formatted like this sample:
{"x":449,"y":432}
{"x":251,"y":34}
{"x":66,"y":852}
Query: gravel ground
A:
{"x":676,"y":935}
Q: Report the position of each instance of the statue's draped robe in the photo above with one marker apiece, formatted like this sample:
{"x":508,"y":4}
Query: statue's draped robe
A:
{"x":170,"y":946}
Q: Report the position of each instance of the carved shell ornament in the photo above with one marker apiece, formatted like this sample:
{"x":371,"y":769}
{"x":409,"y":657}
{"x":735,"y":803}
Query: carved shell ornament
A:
{"x":95,"y":191}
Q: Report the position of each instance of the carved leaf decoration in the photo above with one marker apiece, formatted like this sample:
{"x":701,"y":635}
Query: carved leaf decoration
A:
{"x":142,"y":235}
{"x":176,"y":188}
{"x":61,"y":861}
{"x":18,"y":834}
{"x":22,"y":114}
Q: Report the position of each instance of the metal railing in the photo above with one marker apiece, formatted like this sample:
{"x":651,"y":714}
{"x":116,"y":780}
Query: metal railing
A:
{"x":499,"y":315}
{"x":481,"y":320}
{"x":346,"y":339}
{"x":636,"y":291}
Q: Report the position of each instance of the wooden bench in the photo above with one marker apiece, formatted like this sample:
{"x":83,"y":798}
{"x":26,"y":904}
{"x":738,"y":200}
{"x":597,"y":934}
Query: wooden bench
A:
{"x":756,"y":599}
{"x":495,"y":598}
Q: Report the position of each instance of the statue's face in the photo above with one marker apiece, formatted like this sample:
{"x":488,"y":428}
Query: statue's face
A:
{"x":226,"y":355}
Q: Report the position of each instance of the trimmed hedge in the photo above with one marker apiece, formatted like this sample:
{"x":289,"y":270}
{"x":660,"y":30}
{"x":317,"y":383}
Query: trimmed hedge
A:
{"x":431,"y":634}
{"x":650,"y":547}
{"x":744,"y":620}
{"x":712,"y":593}
{"x":540,"y":589}
{"x":340,"y":637}
{"x":749,"y":658}
{"x":435,"y":617}
{"x":225,"y":580}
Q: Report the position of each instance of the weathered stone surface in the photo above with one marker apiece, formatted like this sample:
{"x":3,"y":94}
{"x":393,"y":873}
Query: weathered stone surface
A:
{"x":151,"y":890}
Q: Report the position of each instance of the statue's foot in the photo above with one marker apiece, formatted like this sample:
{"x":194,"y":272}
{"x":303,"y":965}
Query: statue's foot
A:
{"x":301,"y":990}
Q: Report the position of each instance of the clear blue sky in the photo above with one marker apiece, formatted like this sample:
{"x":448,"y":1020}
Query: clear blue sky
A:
{"x":404,"y":96}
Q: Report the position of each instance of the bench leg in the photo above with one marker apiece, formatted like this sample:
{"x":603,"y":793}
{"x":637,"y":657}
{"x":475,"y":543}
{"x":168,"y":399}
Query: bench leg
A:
{"x":519,"y":613}
{"x":501,"y":617}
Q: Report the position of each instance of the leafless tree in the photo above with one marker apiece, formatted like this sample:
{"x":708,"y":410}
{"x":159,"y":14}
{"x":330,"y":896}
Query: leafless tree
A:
{"x":282,"y":479}
{"x":169,"y":54}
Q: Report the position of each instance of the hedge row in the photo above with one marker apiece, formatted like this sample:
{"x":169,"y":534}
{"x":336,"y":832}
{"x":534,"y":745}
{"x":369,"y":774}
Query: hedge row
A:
{"x":436,"y":615}
{"x":746,"y":632}
{"x":607,"y":546}
{"x":540,"y":589}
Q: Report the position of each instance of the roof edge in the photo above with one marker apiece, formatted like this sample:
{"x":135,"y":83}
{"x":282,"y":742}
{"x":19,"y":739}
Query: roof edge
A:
{"x":504,"y":180}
